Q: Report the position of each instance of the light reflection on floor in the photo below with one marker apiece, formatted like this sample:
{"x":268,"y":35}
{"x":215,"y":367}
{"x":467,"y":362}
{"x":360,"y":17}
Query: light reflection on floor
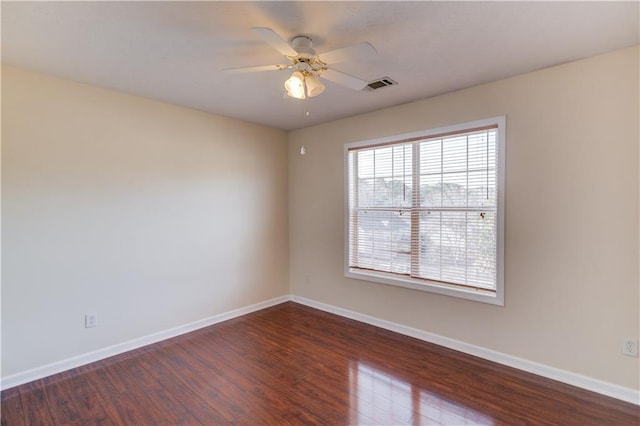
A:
{"x":382,"y":398}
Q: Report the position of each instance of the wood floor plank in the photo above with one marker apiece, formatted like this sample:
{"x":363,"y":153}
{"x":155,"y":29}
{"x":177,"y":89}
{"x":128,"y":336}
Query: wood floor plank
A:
{"x":119,"y":409}
{"x":160,"y":401}
{"x":34,"y":402}
{"x":206,"y":386}
{"x":269,"y":371}
{"x":87,"y":400}
{"x":11,"y":409}
{"x":273,"y":391}
{"x":175,"y":384}
{"x":291,"y":364}
{"x":60,"y":400}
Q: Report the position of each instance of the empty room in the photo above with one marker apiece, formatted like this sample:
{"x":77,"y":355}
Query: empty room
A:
{"x":331,"y":213}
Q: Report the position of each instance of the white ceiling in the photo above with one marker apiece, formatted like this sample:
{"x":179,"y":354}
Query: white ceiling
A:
{"x":175,"y":51}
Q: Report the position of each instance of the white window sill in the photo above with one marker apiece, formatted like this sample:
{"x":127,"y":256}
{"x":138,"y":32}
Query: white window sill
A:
{"x":478,"y":295}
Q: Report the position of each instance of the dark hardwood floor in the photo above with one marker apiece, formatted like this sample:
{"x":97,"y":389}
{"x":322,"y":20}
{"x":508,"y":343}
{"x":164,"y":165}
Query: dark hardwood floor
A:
{"x":291,"y":364}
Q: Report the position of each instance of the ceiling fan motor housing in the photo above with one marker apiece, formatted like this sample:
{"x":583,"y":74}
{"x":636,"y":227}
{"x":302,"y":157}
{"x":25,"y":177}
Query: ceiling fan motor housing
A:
{"x":304,"y":46}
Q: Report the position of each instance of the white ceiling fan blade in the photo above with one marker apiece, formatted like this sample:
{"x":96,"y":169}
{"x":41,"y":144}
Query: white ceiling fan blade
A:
{"x":357,"y":52}
{"x":344,"y":79}
{"x":275,"y":41}
{"x":243,"y":70}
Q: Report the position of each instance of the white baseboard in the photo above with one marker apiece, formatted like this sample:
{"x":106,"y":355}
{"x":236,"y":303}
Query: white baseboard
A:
{"x":601,"y":387}
{"x":97,"y":355}
{"x":604,"y":388}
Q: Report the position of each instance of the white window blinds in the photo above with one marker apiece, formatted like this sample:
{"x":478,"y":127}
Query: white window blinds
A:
{"x":426,"y":208}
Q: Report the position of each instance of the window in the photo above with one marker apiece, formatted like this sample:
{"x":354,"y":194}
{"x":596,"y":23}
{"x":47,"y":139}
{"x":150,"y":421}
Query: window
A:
{"x":425,"y":210}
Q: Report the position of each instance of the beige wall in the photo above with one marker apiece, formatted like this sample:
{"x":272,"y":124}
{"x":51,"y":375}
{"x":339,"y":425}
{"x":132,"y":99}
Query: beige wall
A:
{"x":571,"y":274}
{"x":141,"y":211}
{"x":149,"y":214}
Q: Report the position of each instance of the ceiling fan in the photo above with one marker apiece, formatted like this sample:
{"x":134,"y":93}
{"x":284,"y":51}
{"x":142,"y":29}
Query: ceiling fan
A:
{"x":307,"y":65}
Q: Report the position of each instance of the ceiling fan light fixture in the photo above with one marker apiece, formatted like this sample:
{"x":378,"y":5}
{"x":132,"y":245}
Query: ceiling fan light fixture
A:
{"x":295,"y":86}
{"x":314,"y":86}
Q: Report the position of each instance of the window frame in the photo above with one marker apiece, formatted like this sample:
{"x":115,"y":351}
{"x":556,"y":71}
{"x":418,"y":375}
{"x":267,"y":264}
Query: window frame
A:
{"x":479,"y":295}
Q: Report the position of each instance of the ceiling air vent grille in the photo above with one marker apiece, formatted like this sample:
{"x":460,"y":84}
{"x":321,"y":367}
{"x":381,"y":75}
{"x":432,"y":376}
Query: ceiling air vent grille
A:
{"x":380,"y":83}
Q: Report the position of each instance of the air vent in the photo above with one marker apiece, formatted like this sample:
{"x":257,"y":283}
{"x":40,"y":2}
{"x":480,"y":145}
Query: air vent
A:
{"x":380,"y":83}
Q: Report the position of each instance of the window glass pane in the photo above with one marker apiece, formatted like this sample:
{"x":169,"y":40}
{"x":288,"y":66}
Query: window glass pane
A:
{"x":443,"y":246}
{"x":481,"y":248}
{"x":383,"y":241}
{"x":454,"y":193}
{"x":384,"y":177}
{"x":482,"y":188}
{"x":458,"y":247}
{"x":431,"y":190}
{"x":454,"y":154}
{"x":478,"y":151}
{"x":431,"y":157}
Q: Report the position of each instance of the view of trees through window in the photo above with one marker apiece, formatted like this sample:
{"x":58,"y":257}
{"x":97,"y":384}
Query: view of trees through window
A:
{"x":446,"y":230}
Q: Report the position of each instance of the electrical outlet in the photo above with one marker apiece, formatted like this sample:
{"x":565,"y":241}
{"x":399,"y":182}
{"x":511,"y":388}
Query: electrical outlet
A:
{"x":630,"y":347}
{"x":90,"y":320}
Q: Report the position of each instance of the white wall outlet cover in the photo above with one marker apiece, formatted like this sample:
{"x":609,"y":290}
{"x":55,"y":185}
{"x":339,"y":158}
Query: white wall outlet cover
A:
{"x":90,"y":320}
{"x":630,"y":347}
